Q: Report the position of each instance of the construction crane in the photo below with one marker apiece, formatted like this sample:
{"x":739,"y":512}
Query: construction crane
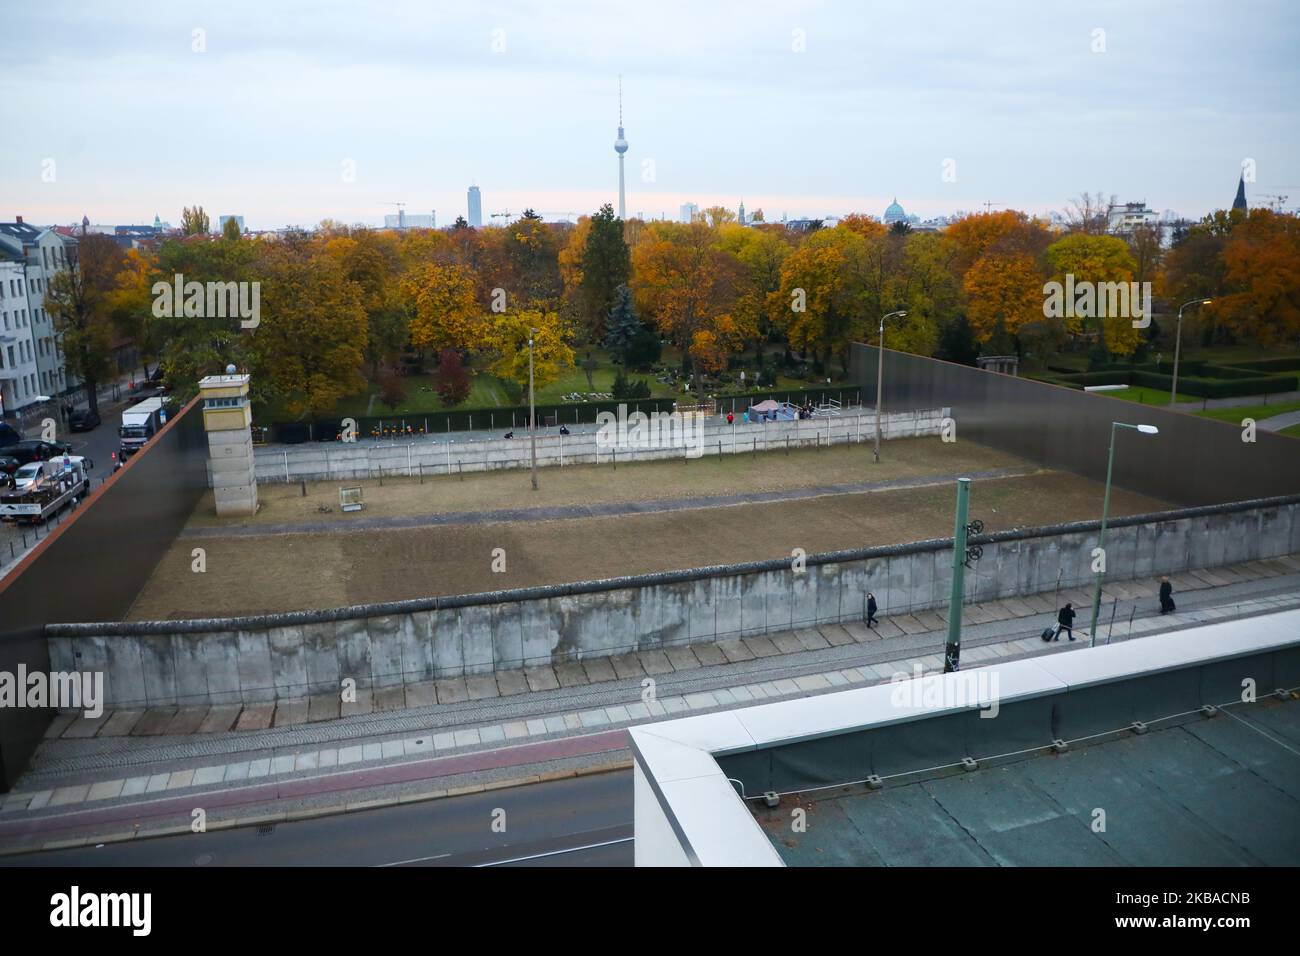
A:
{"x":508,"y":216}
{"x":1276,"y":200}
{"x":989,"y":205}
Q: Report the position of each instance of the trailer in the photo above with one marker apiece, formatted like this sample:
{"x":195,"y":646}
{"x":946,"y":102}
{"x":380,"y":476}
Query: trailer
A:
{"x":63,"y":483}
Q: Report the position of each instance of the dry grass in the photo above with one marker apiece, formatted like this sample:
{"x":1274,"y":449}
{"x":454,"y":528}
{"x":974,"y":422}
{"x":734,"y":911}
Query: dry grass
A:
{"x":281,"y":572}
{"x":647,"y":481}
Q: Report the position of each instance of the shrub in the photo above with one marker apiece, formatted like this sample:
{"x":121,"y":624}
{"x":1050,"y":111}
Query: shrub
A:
{"x":453,"y":380}
{"x":391,"y":390}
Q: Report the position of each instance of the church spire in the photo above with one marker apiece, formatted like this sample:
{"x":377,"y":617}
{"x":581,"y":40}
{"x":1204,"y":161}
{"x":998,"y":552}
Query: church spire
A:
{"x":1240,"y":201}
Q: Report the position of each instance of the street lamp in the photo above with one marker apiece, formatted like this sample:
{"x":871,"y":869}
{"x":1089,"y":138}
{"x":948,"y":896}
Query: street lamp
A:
{"x":1178,"y":341}
{"x":880,"y":376}
{"x":1105,"y":511}
{"x":532,"y":410}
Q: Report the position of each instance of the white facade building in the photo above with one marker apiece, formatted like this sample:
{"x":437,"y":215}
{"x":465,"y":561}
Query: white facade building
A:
{"x":18,"y":371}
{"x":33,"y":256}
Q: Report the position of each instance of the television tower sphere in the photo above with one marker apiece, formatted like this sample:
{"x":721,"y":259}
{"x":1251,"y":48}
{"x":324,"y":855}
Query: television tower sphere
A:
{"x":620,"y":144}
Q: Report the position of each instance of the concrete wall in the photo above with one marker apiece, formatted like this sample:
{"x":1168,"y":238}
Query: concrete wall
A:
{"x":1193,"y":461}
{"x":92,"y":566}
{"x":325,"y":461}
{"x":292,"y":655}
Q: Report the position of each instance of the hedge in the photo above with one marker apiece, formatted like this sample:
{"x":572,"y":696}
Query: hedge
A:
{"x":1270,"y":365}
{"x":1214,"y":387}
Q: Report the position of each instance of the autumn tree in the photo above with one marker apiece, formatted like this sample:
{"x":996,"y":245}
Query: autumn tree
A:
{"x":308,"y":350}
{"x":508,"y":337}
{"x":819,"y":304}
{"x":1262,"y":274}
{"x":453,"y":378}
{"x":687,"y":285}
{"x":392,"y":391}
{"x":1004,"y":294}
{"x":445,"y":311}
{"x":230,"y":230}
{"x":194,"y":222}
{"x":195,"y":346}
{"x":79,"y":301}
{"x":1098,"y":260}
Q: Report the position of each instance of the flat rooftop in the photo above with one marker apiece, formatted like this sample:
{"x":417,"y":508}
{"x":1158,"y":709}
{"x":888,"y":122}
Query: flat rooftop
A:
{"x":1211,"y":792}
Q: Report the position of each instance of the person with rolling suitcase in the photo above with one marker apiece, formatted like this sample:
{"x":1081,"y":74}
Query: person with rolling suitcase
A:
{"x":1065,"y":621}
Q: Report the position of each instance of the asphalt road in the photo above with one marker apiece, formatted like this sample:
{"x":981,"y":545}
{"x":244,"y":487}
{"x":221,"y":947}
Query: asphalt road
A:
{"x":579,"y":821}
{"x":98,"y":445}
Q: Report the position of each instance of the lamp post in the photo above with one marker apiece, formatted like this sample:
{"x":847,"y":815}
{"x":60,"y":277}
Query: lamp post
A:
{"x":1178,"y":341}
{"x":880,"y":377}
{"x":532,"y":409}
{"x":1105,"y":512}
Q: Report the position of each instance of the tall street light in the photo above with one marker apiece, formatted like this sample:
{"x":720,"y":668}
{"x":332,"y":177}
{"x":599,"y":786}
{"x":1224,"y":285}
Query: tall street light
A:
{"x":880,"y":376}
{"x":1178,"y":341}
{"x":1105,"y":512}
{"x":532,"y":411}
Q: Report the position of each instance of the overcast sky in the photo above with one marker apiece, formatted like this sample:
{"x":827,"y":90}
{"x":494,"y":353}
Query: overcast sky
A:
{"x":806,"y":108}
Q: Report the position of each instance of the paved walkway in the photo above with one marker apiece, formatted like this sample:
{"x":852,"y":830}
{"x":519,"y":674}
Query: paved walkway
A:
{"x":127,"y":759}
{"x":1279,"y":422}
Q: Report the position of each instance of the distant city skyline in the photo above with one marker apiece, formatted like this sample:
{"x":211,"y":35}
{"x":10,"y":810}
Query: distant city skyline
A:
{"x":808,"y":111}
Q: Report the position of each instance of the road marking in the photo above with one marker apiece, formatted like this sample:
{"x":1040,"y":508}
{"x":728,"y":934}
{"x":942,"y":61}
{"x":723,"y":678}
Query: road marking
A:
{"x":418,"y":859}
{"x":572,"y":849}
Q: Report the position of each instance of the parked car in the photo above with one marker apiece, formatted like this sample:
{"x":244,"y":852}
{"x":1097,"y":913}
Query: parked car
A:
{"x":35,"y":450}
{"x":83,"y":420}
{"x":9,"y":435}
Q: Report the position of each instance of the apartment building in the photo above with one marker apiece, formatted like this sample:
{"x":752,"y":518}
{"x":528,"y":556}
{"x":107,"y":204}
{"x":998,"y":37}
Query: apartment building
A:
{"x":31,"y":256}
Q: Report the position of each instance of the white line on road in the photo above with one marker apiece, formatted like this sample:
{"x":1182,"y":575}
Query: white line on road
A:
{"x":538,"y":856}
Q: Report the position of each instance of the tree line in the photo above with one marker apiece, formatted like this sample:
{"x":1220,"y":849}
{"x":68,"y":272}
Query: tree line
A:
{"x":344,"y":305}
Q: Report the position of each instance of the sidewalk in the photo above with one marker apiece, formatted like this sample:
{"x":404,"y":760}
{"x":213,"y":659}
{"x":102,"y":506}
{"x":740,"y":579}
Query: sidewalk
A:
{"x":88,"y":773}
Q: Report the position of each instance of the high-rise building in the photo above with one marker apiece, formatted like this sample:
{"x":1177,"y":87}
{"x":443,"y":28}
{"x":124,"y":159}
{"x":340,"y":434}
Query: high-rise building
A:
{"x":741,"y":214}
{"x":689,"y":211}
{"x":475,"y":207}
{"x":620,"y":147}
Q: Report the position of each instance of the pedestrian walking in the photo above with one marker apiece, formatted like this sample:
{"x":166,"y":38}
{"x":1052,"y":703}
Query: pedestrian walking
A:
{"x":871,"y":610}
{"x":1065,"y":621}
{"x":1166,"y":596}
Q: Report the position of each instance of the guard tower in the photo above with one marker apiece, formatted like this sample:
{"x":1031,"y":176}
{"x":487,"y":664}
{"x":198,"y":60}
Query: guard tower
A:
{"x":226,"y":419}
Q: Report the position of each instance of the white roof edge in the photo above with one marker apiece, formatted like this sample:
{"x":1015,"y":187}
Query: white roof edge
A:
{"x":679,"y":756}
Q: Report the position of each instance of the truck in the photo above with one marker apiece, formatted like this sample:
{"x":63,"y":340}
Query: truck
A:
{"x":139,"y":423}
{"x":61,"y":482}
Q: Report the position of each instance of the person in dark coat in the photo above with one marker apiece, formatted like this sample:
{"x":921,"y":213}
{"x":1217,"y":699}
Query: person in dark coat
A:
{"x":1166,"y":596}
{"x":1065,"y":622}
{"x":871,"y":610}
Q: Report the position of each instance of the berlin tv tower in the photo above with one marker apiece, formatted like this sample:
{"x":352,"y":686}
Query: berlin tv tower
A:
{"x":620,"y":147}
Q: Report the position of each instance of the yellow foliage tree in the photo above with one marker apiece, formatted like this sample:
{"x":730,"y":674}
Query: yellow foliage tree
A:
{"x":445,"y":310}
{"x":508,"y":336}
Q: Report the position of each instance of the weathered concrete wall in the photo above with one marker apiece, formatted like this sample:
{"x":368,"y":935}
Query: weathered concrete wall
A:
{"x":293,"y":655}
{"x":326,"y":461}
